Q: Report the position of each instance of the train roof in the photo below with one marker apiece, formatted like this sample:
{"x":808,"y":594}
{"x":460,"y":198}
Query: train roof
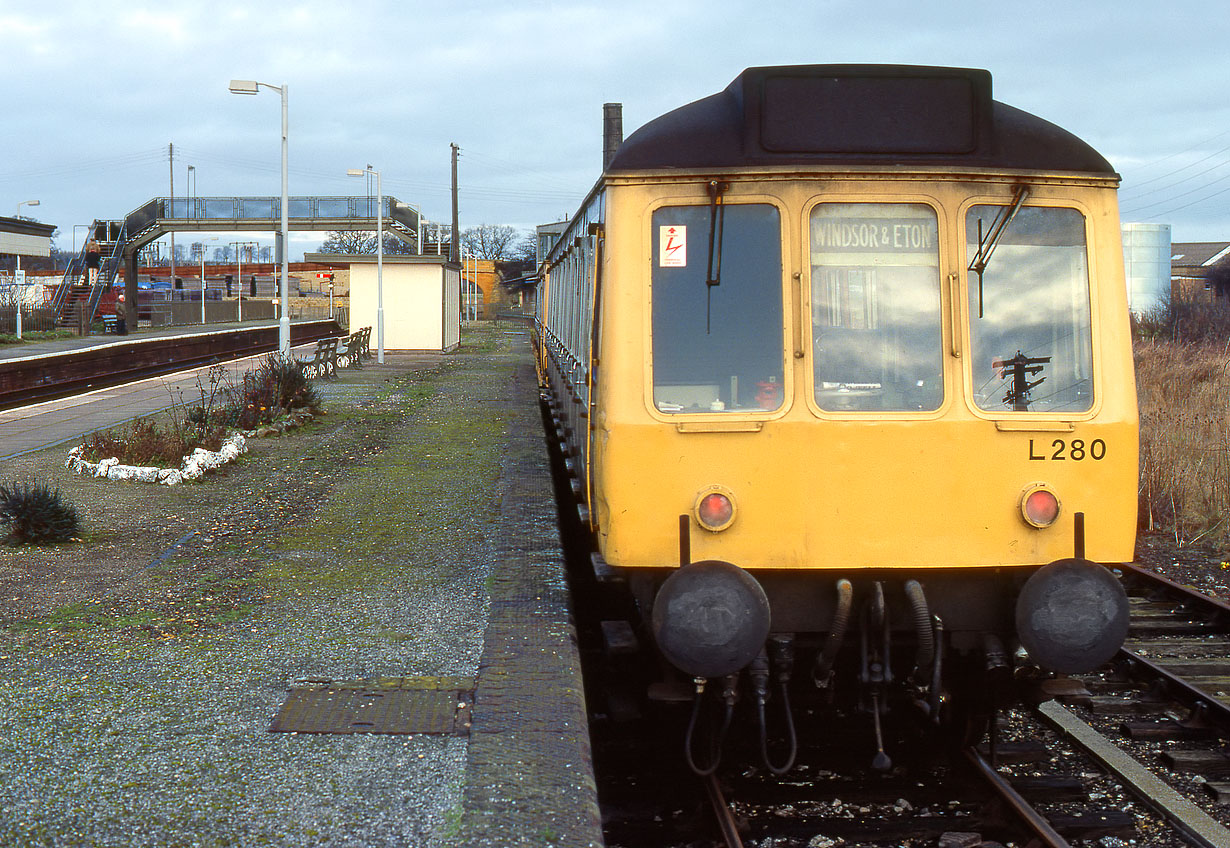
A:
{"x":857,"y":115}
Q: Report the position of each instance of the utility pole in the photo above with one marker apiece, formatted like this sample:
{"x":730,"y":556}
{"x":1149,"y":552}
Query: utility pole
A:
{"x":454,"y":249}
{"x":171,"y":214}
{"x":1020,"y":368}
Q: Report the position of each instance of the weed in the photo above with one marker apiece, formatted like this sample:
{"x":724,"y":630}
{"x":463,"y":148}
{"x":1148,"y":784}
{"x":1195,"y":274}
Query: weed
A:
{"x":275,"y":388}
{"x":1184,"y":439}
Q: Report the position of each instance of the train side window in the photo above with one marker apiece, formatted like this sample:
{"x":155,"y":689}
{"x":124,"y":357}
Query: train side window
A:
{"x":1029,"y":311}
{"x":876,"y":321}
{"x":717,"y":348}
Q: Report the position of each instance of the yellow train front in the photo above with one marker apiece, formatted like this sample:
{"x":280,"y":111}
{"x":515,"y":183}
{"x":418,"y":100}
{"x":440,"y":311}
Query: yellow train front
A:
{"x":845,"y":378}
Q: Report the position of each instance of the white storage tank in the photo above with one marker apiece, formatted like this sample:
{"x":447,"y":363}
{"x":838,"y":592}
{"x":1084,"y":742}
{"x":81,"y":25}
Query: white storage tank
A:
{"x":1146,"y":265}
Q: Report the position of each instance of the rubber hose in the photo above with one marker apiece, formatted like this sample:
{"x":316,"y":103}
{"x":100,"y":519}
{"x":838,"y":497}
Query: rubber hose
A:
{"x":922,"y":625}
{"x":764,"y":736}
{"x":717,"y":747}
{"x":837,"y":634}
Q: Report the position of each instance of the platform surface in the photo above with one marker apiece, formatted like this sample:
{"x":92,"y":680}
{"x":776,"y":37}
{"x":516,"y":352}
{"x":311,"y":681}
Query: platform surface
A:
{"x":117,"y":736}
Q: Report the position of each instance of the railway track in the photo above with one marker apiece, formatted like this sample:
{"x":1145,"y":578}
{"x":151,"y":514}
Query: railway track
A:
{"x":1133,"y":755}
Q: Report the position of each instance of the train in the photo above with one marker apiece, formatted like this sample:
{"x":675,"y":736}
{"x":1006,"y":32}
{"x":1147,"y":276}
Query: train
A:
{"x":840,"y":361}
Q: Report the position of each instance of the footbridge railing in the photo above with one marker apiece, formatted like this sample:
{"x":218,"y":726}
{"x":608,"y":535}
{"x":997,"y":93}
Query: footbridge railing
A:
{"x":166,"y":214}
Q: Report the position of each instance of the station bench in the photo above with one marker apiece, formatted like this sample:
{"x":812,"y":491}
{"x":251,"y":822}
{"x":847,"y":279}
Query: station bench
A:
{"x":348,"y":351}
{"x":322,"y":364}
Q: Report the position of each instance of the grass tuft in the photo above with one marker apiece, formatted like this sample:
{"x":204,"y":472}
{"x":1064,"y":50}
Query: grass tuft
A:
{"x":33,"y":513}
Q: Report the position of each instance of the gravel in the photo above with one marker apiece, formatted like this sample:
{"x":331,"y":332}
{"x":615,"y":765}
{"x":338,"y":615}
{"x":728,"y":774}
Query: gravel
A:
{"x":141,"y":666}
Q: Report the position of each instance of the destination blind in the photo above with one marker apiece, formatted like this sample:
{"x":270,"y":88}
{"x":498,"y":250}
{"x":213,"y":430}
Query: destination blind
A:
{"x":874,"y":234}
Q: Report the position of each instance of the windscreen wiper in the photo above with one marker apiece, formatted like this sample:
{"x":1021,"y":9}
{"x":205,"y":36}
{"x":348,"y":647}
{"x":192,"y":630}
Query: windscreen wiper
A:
{"x":987,"y":244}
{"x":717,"y":226}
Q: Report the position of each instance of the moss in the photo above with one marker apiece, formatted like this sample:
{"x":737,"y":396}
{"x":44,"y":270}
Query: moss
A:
{"x":380,"y":479}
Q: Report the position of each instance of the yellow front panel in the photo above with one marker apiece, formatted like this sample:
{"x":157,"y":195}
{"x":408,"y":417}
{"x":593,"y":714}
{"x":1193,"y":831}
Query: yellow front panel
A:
{"x":816,"y":488}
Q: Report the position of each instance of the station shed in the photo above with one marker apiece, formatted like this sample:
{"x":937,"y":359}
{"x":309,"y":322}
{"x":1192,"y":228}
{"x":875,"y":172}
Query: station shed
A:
{"x":422,"y":299}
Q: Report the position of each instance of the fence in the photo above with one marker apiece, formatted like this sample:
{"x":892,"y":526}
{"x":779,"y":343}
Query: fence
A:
{"x":33,"y":319}
{"x":225,"y":311}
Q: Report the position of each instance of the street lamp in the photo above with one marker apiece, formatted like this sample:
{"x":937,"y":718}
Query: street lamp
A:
{"x":250,"y":87}
{"x":211,"y":238}
{"x":239,"y":246}
{"x":358,"y":172}
{"x":17,"y":273}
{"x":192,"y":191}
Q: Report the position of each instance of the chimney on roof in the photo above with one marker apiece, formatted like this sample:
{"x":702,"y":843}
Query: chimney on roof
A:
{"x":612,"y":131}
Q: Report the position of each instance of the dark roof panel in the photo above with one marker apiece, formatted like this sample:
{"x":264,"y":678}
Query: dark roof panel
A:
{"x":855,"y":114}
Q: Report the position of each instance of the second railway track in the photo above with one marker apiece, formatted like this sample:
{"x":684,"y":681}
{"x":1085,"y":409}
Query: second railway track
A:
{"x":113,"y":361}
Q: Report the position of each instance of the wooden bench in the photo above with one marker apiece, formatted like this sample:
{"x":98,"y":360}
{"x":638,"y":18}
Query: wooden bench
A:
{"x":366,"y":332}
{"x":110,"y":322}
{"x":323,"y":362}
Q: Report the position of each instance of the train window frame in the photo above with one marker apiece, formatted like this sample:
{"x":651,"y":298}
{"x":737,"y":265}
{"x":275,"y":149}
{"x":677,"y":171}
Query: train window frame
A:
{"x":1040,"y":197}
{"x":944,"y":251}
{"x":699,"y":248}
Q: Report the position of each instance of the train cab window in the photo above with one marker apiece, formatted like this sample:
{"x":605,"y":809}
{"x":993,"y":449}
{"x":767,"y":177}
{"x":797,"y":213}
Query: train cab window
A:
{"x":875,"y":307}
{"x":717,"y":348}
{"x":1029,"y":310}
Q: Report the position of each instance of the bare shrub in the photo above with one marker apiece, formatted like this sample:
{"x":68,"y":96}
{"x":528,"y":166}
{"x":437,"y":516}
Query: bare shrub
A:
{"x":1185,"y":319}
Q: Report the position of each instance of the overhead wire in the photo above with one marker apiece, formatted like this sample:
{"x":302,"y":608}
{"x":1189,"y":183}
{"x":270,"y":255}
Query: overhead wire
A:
{"x":1196,"y":146}
{"x":1166,"y":183}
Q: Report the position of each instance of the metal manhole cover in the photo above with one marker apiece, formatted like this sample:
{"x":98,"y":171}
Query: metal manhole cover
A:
{"x":439,"y":705}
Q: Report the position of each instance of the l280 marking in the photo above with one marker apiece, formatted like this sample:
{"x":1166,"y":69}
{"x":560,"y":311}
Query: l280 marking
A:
{"x":1077,"y":450}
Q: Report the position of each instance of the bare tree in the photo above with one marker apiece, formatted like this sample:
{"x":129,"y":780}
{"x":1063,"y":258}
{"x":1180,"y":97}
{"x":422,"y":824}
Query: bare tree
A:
{"x":1218,"y":279}
{"x":349,"y":241}
{"x":490,"y":241}
{"x":526,"y":250}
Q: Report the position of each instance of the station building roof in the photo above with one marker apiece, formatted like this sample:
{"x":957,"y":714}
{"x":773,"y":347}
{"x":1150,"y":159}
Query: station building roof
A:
{"x":27,"y":238}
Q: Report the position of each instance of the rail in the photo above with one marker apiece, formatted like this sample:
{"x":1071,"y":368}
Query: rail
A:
{"x":1031,"y":818}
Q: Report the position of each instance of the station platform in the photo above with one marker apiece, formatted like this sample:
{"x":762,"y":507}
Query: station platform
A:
{"x":406,"y":544}
{"x":29,"y":349}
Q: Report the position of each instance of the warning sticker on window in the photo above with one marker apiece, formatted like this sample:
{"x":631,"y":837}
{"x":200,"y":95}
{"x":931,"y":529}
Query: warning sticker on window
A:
{"x":672,"y":247}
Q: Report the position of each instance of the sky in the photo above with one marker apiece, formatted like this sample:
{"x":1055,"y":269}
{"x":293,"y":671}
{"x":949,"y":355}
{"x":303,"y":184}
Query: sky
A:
{"x":93,"y":93}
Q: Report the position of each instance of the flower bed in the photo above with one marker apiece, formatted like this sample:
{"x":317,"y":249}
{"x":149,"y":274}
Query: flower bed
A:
{"x":193,"y":466}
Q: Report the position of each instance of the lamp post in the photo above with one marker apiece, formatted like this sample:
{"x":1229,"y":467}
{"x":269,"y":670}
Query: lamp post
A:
{"x":239,"y":246}
{"x":211,"y":238}
{"x":251,"y":87}
{"x":358,"y":172}
{"x":192,"y":191}
{"x":17,"y":273}
{"x":75,"y":226}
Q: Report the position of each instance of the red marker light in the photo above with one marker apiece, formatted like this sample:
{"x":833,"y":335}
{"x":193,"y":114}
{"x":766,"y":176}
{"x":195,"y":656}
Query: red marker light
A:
{"x":1040,"y":507}
{"x":715,"y":511}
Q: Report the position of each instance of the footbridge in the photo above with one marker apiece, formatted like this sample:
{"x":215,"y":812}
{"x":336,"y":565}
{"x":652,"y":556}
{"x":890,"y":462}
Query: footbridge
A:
{"x":121,"y":240}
